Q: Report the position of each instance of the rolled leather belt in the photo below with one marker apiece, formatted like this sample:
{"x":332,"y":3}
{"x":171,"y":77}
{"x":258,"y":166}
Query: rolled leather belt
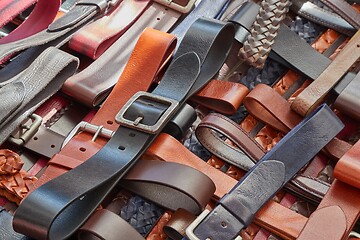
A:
{"x":237,"y":209}
{"x":141,"y":119}
{"x":39,"y":19}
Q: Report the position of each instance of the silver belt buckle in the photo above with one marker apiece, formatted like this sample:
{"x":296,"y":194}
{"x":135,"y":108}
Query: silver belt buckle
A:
{"x":183,"y":9}
{"x":25,"y":131}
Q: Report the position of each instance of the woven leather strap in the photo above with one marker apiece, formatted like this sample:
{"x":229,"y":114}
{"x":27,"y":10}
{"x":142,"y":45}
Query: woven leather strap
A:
{"x":258,"y":44}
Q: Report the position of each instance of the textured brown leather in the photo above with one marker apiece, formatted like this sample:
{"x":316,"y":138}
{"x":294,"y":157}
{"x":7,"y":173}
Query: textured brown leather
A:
{"x":10,"y":162}
{"x":151,"y":52}
{"x":325,"y":223}
{"x":157,"y":232}
{"x":178,"y":223}
{"x":221,"y":96}
{"x":273,"y":216}
{"x":315,"y":93}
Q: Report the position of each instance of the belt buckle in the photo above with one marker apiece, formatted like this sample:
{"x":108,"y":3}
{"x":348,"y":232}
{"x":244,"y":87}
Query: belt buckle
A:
{"x":190,"y":229}
{"x":183,"y":9}
{"x":153,"y":129}
{"x":97,"y":130}
{"x":30,"y":130}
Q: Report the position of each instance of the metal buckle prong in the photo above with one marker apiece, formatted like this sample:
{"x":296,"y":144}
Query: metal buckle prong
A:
{"x":25,"y":136}
{"x":190,"y":229}
{"x":90,"y":128}
{"x":136,"y":124}
{"x":177,"y":7}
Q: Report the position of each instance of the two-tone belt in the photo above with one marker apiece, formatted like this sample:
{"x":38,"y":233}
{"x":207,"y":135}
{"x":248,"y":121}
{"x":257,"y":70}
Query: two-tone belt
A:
{"x":200,"y":55}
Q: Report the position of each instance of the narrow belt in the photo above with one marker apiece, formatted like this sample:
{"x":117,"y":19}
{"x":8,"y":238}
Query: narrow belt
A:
{"x":345,"y":10}
{"x":85,"y":86}
{"x":39,"y":19}
{"x":24,"y":93}
{"x":237,"y":209}
{"x":199,"y":57}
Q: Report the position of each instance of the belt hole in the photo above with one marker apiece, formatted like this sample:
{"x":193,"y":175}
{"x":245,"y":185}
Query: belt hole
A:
{"x":52,"y":145}
{"x":122,"y":148}
{"x":82,"y":149}
{"x":35,"y":138}
{"x":165,"y":9}
{"x":158,"y":19}
{"x":132,"y":134}
{"x":223,"y":224}
{"x":110,"y":122}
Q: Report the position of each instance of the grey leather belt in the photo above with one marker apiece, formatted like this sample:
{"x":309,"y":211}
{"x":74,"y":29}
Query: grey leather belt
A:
{"x":200,"y":55}
{"x":22,"y":94}
{"x":237,"y":209}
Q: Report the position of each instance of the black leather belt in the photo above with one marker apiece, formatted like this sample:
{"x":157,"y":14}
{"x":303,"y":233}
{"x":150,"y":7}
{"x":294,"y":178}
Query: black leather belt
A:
{"x":237,"y":209}
{"x":58,"y":208}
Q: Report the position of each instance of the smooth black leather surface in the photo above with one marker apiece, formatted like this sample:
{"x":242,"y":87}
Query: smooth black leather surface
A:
{"x":260,"y":184}
{"x":200,"y":55}
{"x":293,"y":52}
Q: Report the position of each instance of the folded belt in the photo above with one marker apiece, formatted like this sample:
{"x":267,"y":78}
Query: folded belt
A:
{"x":237,"y":209}
{"x":24,"y":93}
{"x":60,"y":30}
{"x":345,"y":10}
{"x":141,"y":118}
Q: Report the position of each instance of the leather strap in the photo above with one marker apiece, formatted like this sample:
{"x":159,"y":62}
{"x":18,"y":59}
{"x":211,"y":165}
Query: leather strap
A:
{"x":337,"y":204}
{"x":26,"y":92}
{"x":179,"y":221}
{"x":236,"y":210}
{"x":237,"y":135}
{"x":93,"y":39}
{"x":273,"y":216}
{"x":39,"y":19}
{"x":347,"y":102}
{"x":153,"y":45}
{"x":107,"y":69}
{"x":213,"y":38}
{"x":321,"y":16}
{"x":221,"y":96}
{"x":345,"y":10}
{"x":314,"y":94}
{"x":59,"y":31}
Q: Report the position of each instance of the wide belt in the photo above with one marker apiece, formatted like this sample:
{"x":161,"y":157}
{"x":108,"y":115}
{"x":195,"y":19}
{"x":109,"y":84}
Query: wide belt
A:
{"x":39,"y":19}
{"x":60,"y":30}
{"x":237,"y":209}
{"x":24,"y":93}
{"x":92,"y":85}
{"x":201,"y":54}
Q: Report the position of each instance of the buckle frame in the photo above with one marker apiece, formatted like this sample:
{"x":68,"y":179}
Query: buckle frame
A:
{"x":177,"y":7}
{"x":31,"y":130}
{"x":89,"y":128}
{"x":190,"y":229}
{"x":154,"y":129}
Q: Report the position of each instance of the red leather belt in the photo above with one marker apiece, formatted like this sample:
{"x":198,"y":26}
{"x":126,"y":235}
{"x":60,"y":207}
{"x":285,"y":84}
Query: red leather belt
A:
{"x":39,"y":19}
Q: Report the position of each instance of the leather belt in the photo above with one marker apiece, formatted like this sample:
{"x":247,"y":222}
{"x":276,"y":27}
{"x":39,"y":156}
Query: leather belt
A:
{"x":237,"y":209}
{"x":106,"y":70}
{"x":141,"y":122}
{"x":312,"y":96}
{"x":347,"y":101}
{"x":60,"y":30}
{"x":337,"y":204}
{"x":345,"y":10}
{"x":24,"y":93}
{"x":321,"y":16}
{"x":39,"y":19}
